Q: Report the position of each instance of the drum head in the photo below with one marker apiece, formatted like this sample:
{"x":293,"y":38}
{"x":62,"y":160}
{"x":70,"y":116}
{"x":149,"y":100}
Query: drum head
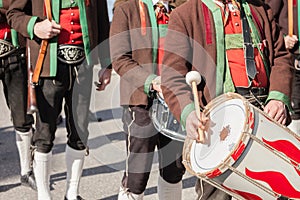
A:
{"x":227,"y":123}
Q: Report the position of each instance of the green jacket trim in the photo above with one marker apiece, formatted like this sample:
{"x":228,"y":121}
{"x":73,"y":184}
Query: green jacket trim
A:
{"x":185,"y":113}
{"x":53,"y":41}
{"x":1,"y":4}
{"x":85,"y":32}
{"x":154,"y":29}
{"x":162,"y":29}
{"x":280,"y":97}
{"x":148,"y":83}
{"x":217,"y":16}
{"x":14,"y":38}
{"x":30,"y":26}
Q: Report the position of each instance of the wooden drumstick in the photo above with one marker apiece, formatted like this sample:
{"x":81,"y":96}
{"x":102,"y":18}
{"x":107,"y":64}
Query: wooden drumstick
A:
{"x":290,"y":17}
{"x":193,"y":78}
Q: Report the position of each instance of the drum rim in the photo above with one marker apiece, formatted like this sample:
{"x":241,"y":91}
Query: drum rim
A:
{"x":244,"y":138}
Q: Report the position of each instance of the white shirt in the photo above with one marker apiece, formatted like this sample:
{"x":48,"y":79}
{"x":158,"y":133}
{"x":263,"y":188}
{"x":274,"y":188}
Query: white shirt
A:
{"x":166,"y":3}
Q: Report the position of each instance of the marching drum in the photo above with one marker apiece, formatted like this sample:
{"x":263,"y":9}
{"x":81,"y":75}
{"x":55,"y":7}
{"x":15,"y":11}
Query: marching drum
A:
{"x":247,"y":154}
{"x":164,"y":121}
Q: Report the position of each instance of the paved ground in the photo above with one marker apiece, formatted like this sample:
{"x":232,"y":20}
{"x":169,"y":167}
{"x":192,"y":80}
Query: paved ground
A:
{"x":104,"y":166}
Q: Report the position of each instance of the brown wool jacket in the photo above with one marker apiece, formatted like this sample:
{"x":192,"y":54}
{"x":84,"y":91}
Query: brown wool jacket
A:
{"x":192,"y":37}
{"x":280,"y":12}
{"x":5,"y":4}
{"x":22,"y":14}
{"x":132,"y":52}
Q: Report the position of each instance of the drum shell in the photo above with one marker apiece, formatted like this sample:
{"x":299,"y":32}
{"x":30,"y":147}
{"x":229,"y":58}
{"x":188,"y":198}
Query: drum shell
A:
{"x":164,"y":121}
{"x":262,"y":169}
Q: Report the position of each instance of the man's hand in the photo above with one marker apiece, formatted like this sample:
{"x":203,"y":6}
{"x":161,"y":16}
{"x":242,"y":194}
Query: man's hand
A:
{"x":290,"y":41}
{"x":156,"y":85}
{"x":104,"y":79}
{"x":276,"y":110}
{"x":193,"y":123}
{"x":46,"y":29}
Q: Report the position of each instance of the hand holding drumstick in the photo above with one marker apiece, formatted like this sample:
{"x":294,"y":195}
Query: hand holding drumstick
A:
{"x":196,"y":121}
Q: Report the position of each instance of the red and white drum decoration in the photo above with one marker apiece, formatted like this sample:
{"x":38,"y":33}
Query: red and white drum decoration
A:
{"x":247,"y":154}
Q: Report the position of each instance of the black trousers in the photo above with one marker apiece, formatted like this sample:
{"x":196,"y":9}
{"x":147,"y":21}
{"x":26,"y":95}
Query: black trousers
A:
{"x":296,"y":94}
{"x":13,"y":75}
{"x":73,"y":85}
{"x":142,"y":138}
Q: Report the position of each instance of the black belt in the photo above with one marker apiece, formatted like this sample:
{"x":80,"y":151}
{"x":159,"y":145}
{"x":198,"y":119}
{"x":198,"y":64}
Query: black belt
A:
{"x":13,"y":59}
{"x":257,"y":91}
{"x":6,"y":48}
{"x":70,"y":54}
{"x":255,"y":95}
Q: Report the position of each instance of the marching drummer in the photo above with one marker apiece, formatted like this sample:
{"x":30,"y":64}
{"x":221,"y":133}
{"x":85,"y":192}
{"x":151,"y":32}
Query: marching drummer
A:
{"x":236,"y":47}
{"x":137,"y":37}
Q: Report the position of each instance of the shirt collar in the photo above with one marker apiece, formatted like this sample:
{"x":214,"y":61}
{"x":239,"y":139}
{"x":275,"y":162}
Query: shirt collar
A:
{"x":166,"y":3}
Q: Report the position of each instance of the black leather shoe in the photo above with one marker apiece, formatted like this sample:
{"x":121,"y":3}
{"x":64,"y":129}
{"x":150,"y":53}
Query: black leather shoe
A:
{"x":77,"y":198}
{"x":29,"y":180}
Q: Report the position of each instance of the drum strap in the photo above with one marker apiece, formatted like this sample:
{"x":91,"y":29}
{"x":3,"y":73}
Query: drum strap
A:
{"x":248,"y":46}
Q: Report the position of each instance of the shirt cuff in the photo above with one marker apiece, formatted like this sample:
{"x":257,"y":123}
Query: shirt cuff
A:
{"x":30,"y":26}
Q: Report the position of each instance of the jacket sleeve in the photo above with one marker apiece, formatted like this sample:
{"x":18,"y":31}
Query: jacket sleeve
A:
{"x":123,"y":42}
{"x":176,"y":92}
{"x":281,"y":66}
{"x":19,"y":17}
{"x":103,"y":30}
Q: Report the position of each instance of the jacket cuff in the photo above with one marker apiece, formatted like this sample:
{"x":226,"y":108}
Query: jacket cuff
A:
{"x":280,"y":97}
{"x":185,"y":113}
{"x":148,"y":83}
{"x":30,"y":26}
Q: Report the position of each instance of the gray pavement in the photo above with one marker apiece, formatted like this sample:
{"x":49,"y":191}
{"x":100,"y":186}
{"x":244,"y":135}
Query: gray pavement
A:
{"x":103,"y":168}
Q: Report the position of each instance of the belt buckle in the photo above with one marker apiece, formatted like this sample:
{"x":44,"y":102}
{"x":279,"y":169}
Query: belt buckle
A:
{"x":6,"y":48}
{"x":70,"y":54}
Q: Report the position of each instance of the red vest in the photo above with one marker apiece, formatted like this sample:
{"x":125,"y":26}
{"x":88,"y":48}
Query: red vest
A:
{"x":5,"y":31}
{"x":161,"y":42}
{"x":71,"y":29}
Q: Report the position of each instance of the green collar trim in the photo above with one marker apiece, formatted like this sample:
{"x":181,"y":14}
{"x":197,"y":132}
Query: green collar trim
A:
{"x":1,"y":4}
{"x":217,"y":16}
{"x":154,"y":29}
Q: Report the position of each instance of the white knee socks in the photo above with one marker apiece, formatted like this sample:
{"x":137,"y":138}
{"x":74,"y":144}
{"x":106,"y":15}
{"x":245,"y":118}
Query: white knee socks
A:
{"x":23,"y":141}
{"x":41,"y":167}
{"x":74,"y":162}
{"x":169,"y":191}
{"x":125,"y":195}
